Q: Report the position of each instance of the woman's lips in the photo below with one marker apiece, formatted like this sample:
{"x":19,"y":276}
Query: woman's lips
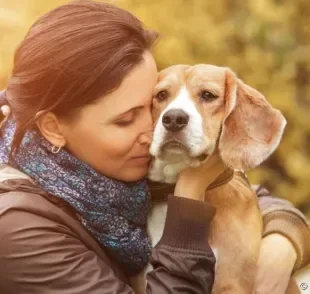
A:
{"x":141,"y":159}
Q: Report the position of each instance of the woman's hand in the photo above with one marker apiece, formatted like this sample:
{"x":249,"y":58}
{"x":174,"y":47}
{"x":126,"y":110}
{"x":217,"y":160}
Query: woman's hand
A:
{"x":275,"y":264}
{"x":193,"y":182}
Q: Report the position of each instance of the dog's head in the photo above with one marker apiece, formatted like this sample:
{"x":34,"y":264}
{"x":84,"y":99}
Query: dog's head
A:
{"x":199,"y":108}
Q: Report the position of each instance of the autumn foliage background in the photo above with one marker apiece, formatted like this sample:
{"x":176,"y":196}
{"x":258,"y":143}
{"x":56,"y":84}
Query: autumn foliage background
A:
{"x":266,"y":42}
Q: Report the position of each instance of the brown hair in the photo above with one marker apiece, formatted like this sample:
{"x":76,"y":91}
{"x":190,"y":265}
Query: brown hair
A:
{"x":70,"y":57}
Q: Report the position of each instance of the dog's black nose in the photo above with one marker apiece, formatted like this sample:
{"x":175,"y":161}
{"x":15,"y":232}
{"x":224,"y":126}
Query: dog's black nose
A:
{"x":175,"y":120}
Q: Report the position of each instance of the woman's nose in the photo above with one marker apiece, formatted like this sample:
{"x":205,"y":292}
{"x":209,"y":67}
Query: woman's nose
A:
{"x":146,"y":138}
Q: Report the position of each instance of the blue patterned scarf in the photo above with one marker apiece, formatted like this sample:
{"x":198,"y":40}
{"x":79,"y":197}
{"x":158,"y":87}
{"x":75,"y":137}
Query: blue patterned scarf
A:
{"x":114,"y":212}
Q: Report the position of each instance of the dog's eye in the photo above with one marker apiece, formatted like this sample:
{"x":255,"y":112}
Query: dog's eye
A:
{"x":207,"y":96}
{"x":162,"y":95}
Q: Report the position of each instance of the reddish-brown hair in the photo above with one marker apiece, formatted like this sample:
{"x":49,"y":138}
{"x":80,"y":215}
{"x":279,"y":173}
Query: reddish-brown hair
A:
{"x":70,"y":57}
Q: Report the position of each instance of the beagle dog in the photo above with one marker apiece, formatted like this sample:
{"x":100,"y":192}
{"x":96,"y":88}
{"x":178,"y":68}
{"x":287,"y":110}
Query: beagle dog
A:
{"x":199,"y":110}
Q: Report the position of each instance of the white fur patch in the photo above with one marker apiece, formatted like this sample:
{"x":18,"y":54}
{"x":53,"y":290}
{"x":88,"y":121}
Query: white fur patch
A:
{"x":165,"y":171}
{"x":193,"y":132}
{"x":214,"y":250}
{"x":155,"y":226}
{"x":156,"y":221}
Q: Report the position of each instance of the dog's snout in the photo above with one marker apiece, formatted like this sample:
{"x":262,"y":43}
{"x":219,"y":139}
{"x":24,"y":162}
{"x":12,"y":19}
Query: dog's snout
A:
{"x":175,"y":120}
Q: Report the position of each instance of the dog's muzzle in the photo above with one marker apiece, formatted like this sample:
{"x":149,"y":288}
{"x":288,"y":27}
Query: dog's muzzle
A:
{"x":178,"y":133}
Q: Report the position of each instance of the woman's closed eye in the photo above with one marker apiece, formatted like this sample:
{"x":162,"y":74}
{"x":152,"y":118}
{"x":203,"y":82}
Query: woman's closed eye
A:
{"x":126,"y":120}
{"x":132,"y":116}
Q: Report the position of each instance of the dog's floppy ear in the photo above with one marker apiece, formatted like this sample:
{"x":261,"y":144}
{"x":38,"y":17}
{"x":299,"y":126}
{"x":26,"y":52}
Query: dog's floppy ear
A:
{"x":251,"y":128}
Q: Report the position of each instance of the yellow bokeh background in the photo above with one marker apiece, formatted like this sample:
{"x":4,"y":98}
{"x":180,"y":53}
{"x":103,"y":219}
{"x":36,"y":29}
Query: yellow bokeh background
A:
{"x":266,"y":42}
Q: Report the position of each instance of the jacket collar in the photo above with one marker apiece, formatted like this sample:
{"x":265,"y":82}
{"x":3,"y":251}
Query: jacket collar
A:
{"x":12,"y":179}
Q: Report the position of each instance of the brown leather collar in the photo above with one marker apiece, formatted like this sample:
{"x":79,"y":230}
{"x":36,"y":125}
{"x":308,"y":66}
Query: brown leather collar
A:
{"x":160,"y":191}
{"x":222,"y":179}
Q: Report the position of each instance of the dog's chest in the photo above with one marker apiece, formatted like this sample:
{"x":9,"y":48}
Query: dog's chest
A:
{"x":156,"y":221}
{"x":237,"y":212}
{"x":235,"y":231}
{"x":155,"y":227}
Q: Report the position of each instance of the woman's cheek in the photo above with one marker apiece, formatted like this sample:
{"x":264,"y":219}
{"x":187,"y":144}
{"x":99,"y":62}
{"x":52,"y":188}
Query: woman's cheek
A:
{"x":118,"y":143}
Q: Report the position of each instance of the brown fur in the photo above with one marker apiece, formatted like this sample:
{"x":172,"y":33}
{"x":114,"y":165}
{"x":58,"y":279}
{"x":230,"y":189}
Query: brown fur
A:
{"x":236,"y":234}
{"x":240,"y":117}
{"x":246,"y":129}
{"x":251,"y":123}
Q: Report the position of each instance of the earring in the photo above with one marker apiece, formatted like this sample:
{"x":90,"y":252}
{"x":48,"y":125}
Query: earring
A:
{"x":56,"y":149}
{"x":5,"y":109}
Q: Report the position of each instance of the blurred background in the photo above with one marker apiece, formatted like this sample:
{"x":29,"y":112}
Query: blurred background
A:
{"x":266,"y":42}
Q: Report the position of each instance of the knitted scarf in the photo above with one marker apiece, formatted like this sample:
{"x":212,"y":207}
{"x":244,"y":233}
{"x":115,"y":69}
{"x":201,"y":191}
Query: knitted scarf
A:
{"x":114,"y":212}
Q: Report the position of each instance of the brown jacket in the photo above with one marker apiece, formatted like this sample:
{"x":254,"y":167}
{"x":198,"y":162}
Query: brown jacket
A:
{"x":45,"y":249}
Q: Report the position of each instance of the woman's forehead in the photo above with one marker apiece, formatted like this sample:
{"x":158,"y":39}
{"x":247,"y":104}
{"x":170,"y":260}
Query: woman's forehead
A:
{"x":135,"y":90}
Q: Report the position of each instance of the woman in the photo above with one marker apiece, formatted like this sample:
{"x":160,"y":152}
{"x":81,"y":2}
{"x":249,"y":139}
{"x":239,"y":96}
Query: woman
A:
{"x":74,"y":152}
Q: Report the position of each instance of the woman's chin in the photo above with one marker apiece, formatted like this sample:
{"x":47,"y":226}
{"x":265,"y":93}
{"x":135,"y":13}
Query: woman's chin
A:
{"x":132,"y":174}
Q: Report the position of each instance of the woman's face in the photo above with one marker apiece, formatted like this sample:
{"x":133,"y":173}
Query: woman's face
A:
{"x":113,"y":135}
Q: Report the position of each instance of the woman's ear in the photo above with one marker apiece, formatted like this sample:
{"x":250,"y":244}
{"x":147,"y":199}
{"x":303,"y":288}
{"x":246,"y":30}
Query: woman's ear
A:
{"x":50,"y":128}
{"x":252,"y":128}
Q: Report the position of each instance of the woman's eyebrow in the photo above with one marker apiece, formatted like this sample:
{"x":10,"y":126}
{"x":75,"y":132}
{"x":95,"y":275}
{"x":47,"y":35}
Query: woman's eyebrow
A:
{"x":130,"y":110}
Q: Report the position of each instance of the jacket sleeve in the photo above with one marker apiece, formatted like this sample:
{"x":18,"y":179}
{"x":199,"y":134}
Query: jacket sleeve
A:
{"x":39,"y":255}
{"x":280,"y":216}
{"x":183,"y":262}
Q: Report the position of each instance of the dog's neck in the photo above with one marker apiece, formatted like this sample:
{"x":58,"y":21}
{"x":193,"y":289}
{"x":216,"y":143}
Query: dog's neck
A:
{"x":160,"y":191}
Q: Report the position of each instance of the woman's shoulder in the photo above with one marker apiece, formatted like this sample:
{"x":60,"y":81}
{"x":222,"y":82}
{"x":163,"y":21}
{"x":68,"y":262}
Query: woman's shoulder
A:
{"x":36,"y":229}
{"x":25,"y":213}
{"x":25,"y":209}
{"x":20,"y":197}
{"x":44,"y":250}
{"x":19,"y":193}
